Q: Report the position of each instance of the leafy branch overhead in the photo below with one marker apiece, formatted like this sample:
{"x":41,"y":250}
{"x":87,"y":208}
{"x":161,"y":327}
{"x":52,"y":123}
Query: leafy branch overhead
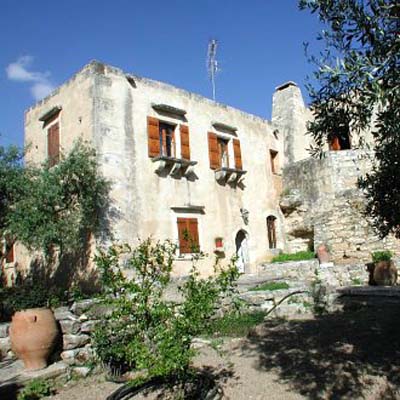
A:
{"x":356,"y":86}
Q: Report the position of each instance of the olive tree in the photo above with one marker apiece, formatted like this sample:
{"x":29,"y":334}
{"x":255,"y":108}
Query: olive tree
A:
{"x":356,"y":82}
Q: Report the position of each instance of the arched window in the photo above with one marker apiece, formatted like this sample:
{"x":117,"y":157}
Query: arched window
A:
{"x":271,"y":227}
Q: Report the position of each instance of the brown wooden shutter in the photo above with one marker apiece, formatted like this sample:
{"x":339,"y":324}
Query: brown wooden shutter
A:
{"x":188,"y":235}
{"x":183,"y":235}
{"x":237,"y":154}
{"x":185,"y":143}
{"x":194,"y":235}
{"x":153,"y":133}
{"x":53,"y":144}
{"x":213,"y":151}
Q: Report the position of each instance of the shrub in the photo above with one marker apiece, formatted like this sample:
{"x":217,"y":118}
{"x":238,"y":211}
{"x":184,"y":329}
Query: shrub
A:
{"x":145,"y":331}
{"x":300,"y":255}
{"x":234,"y":324}
{"x":35,"y":390}
{"x":384,"y":255}
{"x":270,"y":286}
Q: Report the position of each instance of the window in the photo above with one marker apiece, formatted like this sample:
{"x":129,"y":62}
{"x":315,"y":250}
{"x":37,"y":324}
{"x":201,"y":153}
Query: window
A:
{"x":9,"y":250}
{"x":188,"y":235}
{"x":167,"y":139}
{"x":271,"y":222}
{"x":218,"y":151}
{"x":274,"y":161}
{"x":53,"y":144}
{"x":340,"y":140}
{"x":223,"y":152}
{"x":162,"y":139}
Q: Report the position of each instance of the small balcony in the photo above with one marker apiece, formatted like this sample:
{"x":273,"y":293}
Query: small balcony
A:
{"x":175,"y":167}
{"x":231,"y":176}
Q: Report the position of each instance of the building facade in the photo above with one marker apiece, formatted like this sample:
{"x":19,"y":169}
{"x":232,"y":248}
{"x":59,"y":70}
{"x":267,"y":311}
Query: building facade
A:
{"x":186,"y":168}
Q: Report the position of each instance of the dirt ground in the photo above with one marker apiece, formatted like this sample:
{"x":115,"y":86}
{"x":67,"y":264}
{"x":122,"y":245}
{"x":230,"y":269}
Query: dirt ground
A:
{"x":353,"y":354}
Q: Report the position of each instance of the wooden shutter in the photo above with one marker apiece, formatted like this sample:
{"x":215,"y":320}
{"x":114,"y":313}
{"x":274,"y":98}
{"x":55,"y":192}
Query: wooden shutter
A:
{"x":334,"y":144}
{"x":188,"y":235}
{"x":53,"y":144}
{"x":153,"y":134}
{"x":237,"y":154}
{"x":183,"y":234}
{"x":213,"y":151}
{"x":185,"y":143}
{"x":193,"y":235}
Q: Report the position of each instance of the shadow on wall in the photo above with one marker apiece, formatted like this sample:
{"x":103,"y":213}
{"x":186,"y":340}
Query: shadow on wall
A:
{"x":345,"y":355}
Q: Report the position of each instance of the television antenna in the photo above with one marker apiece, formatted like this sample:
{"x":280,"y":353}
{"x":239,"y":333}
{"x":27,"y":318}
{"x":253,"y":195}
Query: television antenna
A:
{"x":212,"y":63}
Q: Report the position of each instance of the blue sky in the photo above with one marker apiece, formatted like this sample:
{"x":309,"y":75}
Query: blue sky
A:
{"x":43,"y":42}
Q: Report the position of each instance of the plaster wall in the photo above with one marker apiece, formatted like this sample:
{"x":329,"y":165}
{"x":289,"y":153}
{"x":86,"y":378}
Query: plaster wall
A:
{"x":144,"y":200}
{"x":100,"y":104}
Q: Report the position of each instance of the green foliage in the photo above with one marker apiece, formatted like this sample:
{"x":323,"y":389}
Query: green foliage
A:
{"x":384,"y":255}
{"x":28,"y":295}
{"x":356,"y":281}
{"x":300,"y":255}
{"x":234,"y":324}
{"x":35,"y":389}
{"x":60,"y":205}
{"x":270,"y":286}
{"x":145,"y":331}
{"x":356,"y":85}
{"x":13,"y":179}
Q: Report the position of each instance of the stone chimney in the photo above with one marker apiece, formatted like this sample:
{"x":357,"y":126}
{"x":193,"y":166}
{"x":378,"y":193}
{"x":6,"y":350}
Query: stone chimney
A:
{"x":290,"y":116}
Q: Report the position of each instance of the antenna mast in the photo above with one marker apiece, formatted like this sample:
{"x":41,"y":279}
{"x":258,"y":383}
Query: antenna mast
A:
{"x":212,"y":63}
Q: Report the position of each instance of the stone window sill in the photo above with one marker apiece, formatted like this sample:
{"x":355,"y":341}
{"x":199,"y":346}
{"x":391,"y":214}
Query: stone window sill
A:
{"x":229,"y":175}
{"x":174,"y":166}
{"x":188,"y":257}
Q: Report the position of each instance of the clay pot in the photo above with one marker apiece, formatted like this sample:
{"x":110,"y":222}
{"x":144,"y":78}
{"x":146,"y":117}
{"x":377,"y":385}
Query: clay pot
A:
{"x":323,"y":254}
{"x":33,"y":333}
{"x":382,"y":273}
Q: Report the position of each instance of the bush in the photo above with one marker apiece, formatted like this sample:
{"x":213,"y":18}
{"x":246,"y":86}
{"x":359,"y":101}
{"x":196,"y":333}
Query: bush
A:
{"x":299,"y":256}
{"x":35,"y":390}
{"x":234,"y":324}
{"x":28,"y":295}
{"x":384,"y":255}
{"x":270,"y":286}
{"x":145,"y":331}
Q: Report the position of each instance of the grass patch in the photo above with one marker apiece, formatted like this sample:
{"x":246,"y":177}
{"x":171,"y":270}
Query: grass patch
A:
{"x":234,"y":324}
{"x":299,"y":256}
{"x":356,"y":282}
{"x":270,"y":286}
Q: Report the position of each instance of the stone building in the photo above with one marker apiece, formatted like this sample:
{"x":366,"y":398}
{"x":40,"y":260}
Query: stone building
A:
{"x":182,"y":164}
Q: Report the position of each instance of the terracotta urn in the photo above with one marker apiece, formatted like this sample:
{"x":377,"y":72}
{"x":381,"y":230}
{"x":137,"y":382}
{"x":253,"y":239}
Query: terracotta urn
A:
{"x":33,"y":333}
{"x":323,"y":254}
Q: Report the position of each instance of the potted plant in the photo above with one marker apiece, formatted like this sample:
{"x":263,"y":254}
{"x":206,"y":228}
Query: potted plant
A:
{"x":219,"y":243}
{"x":382,"y":271}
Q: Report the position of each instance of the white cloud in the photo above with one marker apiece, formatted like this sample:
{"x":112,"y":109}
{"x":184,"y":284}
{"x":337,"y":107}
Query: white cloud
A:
{"x":19,"y":71}
{"x":41,"y":90}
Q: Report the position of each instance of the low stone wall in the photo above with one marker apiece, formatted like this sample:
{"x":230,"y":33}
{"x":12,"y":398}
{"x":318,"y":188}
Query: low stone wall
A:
{"x":309,"y":270}
{"x":76,"y":327}
{"x":316,"y":282}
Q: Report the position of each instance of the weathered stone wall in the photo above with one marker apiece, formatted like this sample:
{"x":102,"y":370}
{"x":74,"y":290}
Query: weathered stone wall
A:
{"x":322,"y":205}
{"x":304,"y":278}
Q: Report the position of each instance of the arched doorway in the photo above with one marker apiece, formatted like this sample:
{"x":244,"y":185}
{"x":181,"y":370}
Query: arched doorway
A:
{"x":242,"y":250}
{"x":271,"y":227}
